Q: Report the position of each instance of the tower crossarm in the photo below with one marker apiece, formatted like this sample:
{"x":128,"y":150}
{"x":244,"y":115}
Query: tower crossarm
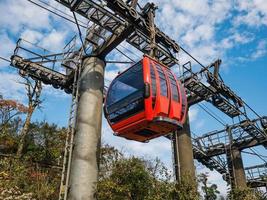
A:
{"x":214,"y":143}
{"x":257,"y":175}
{"x":38,"y":63}
{"x":116,"y":17}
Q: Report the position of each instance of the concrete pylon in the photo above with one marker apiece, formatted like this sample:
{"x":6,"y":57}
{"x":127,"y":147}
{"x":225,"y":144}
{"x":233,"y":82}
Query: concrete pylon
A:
{"x":85,"y":157}
{"x":175,"y":154}
{"x":185,"y":151}
{"x":238,"y":169}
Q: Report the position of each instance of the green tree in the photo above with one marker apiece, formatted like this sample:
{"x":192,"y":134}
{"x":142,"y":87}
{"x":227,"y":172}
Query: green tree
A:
{"x":210,"y":192}
{"x":246,"y":194}
{"x":10,"y":124}
{"x":132,"y":178}
{"x":39,"y":171}
{"x":186,"y":189}
{"x":129,"y":180}
{"x":45,"y":143}
{"x":33,"y":89}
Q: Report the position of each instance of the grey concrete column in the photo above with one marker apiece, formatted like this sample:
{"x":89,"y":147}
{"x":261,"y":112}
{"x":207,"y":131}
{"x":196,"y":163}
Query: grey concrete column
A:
{"x":238,"y":169}
{"x":84,"y":166}
{"x":175,"y":154}
{"x":185,"y":150}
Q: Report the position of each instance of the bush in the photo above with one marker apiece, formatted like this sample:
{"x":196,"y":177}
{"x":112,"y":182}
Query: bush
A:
{"x":26,"y":178}
{"x":246,"y":194}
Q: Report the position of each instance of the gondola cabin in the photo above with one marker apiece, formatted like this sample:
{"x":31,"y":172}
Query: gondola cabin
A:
{"x":145,"y":101}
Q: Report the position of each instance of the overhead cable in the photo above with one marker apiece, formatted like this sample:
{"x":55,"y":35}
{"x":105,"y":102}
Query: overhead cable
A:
{"x":75,"y":22}
{"x":211,"y":115}
{"x":55,"y":13}
{"x":5,"y":59}
{"x":124,"y":54}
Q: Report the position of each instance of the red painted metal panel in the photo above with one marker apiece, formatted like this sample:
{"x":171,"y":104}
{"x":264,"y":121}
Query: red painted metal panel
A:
{"x":147,"y":80}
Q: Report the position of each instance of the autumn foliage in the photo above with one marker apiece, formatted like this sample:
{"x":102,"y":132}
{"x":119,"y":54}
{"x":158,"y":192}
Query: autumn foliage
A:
{"x":9,"y":109}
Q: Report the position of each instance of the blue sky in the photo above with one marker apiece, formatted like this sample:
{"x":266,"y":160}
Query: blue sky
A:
{"x":234,"y":31}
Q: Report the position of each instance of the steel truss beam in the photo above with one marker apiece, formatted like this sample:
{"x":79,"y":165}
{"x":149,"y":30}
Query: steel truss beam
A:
{"x":245,"y":134}
{"x":209,"y":148}
{"x":257,"y":175}
{"x":217,"y":93}
{"x":115,"y":16}
{"x":211,"y":95}
{"x":38,"y":63}
{"x":39,"y":72}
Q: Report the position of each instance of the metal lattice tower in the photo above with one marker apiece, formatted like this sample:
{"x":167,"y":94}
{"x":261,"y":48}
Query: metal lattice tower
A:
{"x":71,"y":60}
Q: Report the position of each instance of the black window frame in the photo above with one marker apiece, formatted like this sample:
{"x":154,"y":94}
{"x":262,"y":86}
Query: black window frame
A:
{"x":174,"y":87}
{"x":130,"y":104}
{"x":162,"y":80}
{"x":153,"y":84}
{"x":184,"y":99}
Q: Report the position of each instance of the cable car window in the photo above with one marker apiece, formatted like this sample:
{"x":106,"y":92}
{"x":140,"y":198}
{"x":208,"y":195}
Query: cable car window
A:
{"x":183,"y":100}
{"x":126,"y":94}
{"x":153,"y":81}
{"x":163,"y":81}
{"x":153,"y":85}
{"x":175,"y":93}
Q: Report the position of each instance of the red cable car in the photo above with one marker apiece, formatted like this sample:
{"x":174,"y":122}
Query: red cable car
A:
{"x":145,"y":101}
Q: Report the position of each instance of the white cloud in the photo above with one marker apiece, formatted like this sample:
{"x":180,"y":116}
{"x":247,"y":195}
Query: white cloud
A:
{"x":193,"y":113}
{"x":54,"y":40}
{"x":16,"y":15}
{"x":26,"y":20}
{"x":110,"y":74}
{"x":154,"y":148}
{"x":31,"y":36}
{"x":199,"y":124}
{"x":202,"y":32}
{"x":196,"y":8}
{"x":215,"y":178}
{"x":193,"y":24}
{"x":241,"y":38}
{"x":7,"y":47}
{"x":52,"y":92}
{"x":10,"y":87}
{"x":196,"y":24}
{"x":196,"y":122}
{"x":254,"y":13}
{"x":206,"y":52}
{"x":261,"y":50}
{"x":235,"y":39}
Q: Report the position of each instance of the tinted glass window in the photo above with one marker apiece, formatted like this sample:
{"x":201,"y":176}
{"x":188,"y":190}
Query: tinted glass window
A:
{"x":153,"y":85}
{"x":128,"y":83}
{"x":175,"y":93}
{"x":183,"y":94}
{"x":153,"y":81}
{"x":163,"y":82}
{"x":125,"y":96}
